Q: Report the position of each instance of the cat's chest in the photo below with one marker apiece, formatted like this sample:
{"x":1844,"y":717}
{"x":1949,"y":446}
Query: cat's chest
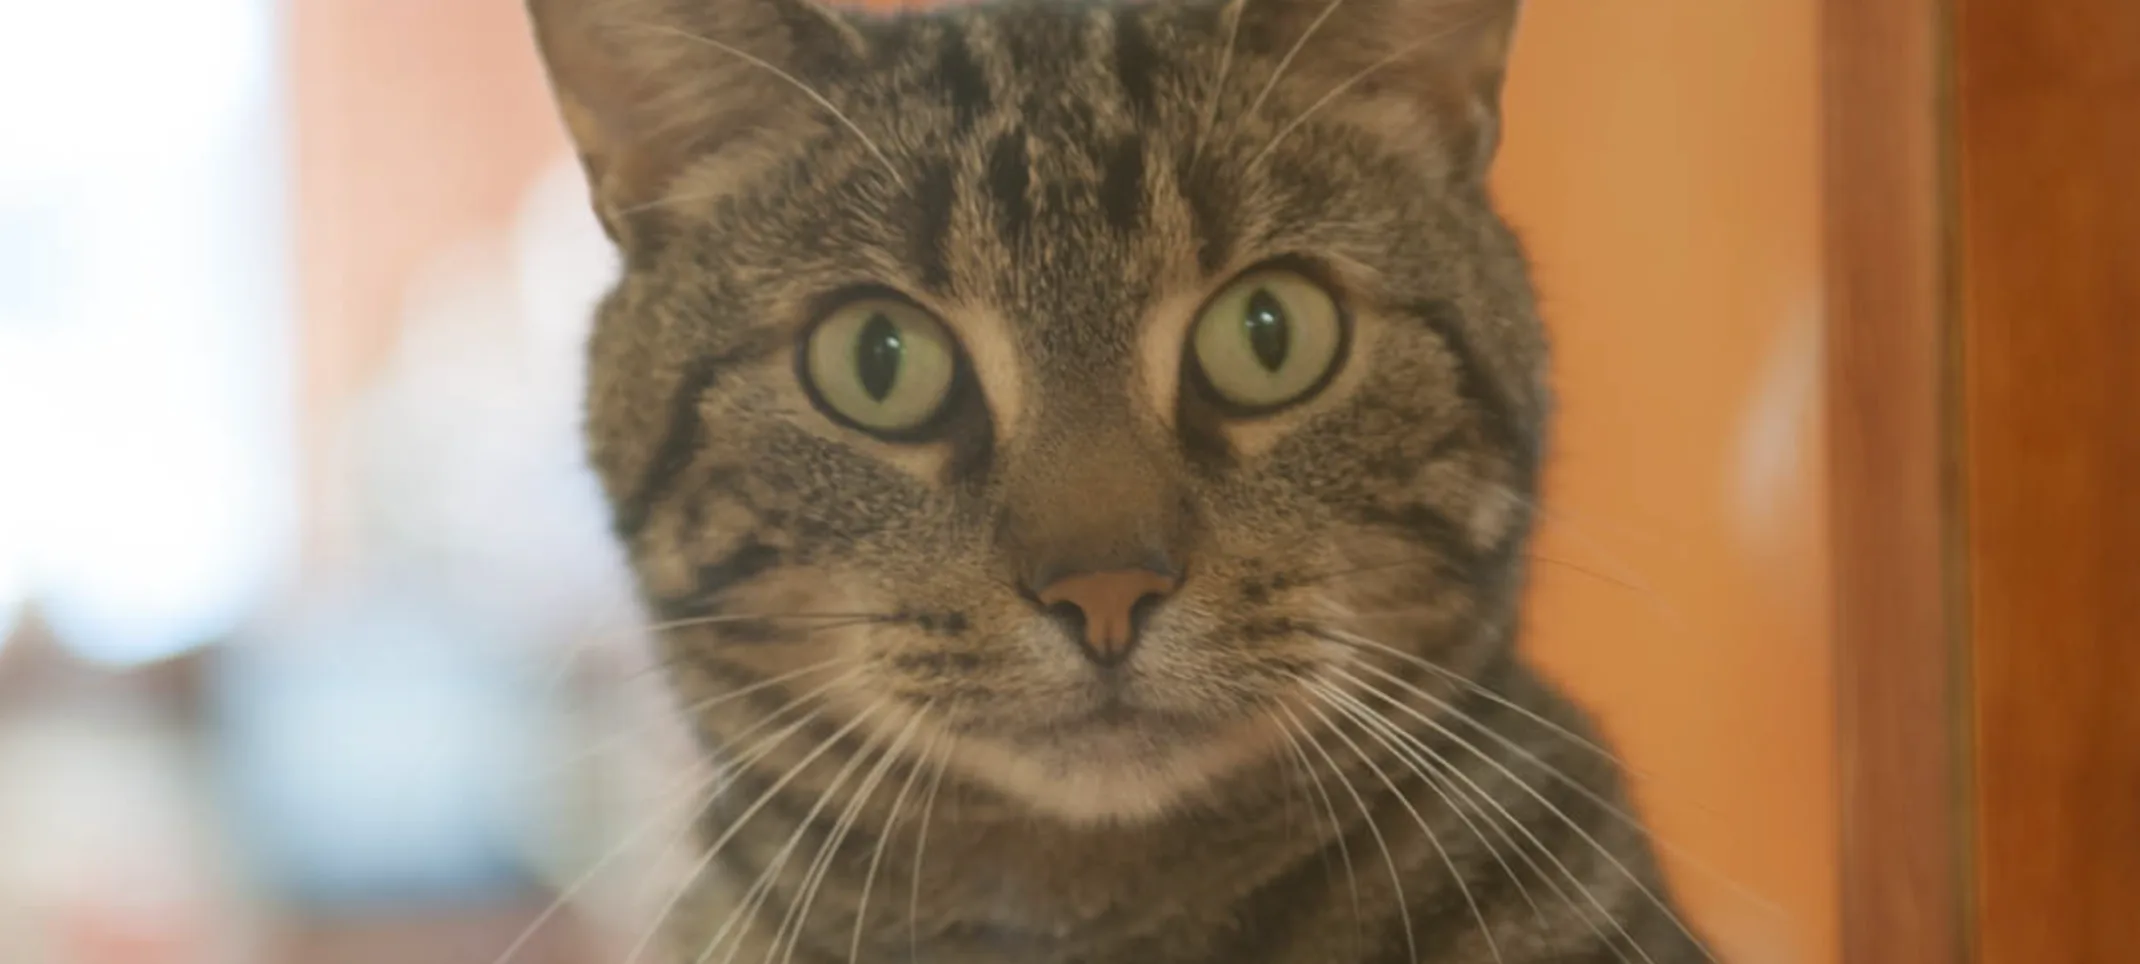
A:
{"x":1033,"y":893}
{"x":1154,"y":903}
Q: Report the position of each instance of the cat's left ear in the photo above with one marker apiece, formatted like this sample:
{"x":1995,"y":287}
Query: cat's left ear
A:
{"x":1447,"y":56}
{"x":647,"y":86}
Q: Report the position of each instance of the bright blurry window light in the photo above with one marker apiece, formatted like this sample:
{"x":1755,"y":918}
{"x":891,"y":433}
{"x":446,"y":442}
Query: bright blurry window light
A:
{"x":146,"y":492}
{"x":14,"y":488}
{"x":91,"y":83}
{"x":14,"y":584}
{"x":382,"y":752}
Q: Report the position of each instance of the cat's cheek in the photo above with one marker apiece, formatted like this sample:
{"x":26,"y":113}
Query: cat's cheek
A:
{"x":666,"y":571}
{"x":920,"y":466}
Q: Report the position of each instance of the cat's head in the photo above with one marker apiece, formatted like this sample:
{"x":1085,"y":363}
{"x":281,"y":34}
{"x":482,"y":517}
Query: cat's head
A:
{"x":1094,"y":383}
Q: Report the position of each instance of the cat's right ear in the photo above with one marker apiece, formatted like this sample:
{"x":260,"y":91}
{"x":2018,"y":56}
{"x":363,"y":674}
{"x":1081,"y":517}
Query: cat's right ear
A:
{"x":647,"y":86}
{"x":1447,"y":57}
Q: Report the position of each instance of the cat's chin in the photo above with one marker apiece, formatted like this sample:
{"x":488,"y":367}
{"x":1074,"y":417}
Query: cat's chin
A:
{"x":1105,"y":771}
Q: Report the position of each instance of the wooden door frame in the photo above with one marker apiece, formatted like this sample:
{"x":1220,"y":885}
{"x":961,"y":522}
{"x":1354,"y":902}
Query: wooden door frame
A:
{"x":1983,"y":267}
{"x":1892,"y":379}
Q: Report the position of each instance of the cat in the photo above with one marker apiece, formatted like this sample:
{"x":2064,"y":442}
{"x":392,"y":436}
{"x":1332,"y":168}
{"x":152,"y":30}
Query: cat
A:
{"x":1081,"y":456}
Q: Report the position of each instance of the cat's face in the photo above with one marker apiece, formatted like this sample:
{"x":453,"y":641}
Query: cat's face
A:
{"x":1063,"y":375}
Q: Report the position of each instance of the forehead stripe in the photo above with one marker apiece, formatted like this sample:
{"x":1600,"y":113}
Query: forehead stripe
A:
{"x":1010,"y":175}
{"x":1136,"y":63}
{"x":961,"y":79}
{"x":1122,"y":185}
{"x":1207,"y":217}
{"x":935,"y":194}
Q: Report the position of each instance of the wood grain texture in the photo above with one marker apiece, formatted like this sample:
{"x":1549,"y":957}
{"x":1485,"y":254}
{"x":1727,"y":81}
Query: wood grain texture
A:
{"x":2049,"y":188}
{"x":1896,"y":642}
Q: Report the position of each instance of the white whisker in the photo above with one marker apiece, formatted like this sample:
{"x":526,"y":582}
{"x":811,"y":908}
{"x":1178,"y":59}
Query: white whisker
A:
{"x":1603,"y":851}
{"x":687,"y":622}
{"x":1511,"y":819}
{"x":1379,"y":728}
{"x":1287,"y":60}
{"x":791,"y":80}
{"x":1328,"y":96}
{"x":876,"y":857}
{"x":814,"y":878}
{"x":753,"y":899}
{"x":672,"y":794}
{"x":1456,"y":875}
{"x":1218,"y":81}
{"x":1337,"y":829}
{"x":706,"y":861}
{"x":1355,"y":639}
{"x":746,"y":757}
{"x":1362,"y":74}
{"x":1389,"y":859}
{"x":921,"y":847}
{"x":688,"y":827}
{"x":629,"y":733}
{"x":1618,"y":812}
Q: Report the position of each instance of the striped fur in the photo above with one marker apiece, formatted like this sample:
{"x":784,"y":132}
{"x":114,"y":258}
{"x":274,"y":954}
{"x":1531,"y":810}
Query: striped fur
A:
{"x":1325,"y":748}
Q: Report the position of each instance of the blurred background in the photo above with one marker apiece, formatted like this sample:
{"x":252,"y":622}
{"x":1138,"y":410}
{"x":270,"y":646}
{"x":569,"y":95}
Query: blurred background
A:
{"x":313,"y":647}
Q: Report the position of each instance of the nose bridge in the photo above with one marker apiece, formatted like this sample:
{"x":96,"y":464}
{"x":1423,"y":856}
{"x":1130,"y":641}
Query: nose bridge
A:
{"x":1092,"y":494}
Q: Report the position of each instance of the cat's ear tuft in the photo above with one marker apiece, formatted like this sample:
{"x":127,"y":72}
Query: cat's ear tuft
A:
{"x":1446,"y":56}
{"x":646,"y":86}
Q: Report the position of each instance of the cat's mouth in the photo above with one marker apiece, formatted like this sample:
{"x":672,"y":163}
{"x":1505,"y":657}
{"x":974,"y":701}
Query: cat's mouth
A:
{"x":1114,"y":730}
{"x":1108,"y":718}
{"x":1111,"y":758}
{"x":1116,"y":717}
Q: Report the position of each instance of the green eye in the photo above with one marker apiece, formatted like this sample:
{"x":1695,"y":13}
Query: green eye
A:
{"x":1268,"y":339}
{"x":885,"y":365}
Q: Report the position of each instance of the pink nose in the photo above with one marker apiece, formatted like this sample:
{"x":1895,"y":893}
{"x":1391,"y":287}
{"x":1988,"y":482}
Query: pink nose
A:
{"x":1107,"y":602}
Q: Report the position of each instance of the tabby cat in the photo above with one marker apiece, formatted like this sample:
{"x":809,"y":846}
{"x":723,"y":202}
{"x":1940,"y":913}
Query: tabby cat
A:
{"x":1083,"y":456}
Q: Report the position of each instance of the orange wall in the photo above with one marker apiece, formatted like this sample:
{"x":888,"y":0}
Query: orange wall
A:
{"x":1661,"y":164}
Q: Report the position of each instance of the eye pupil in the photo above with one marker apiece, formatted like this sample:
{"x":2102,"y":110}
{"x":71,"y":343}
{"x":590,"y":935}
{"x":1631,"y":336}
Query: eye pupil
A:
{"x":878,"y":351}
{"x":1269,"y":333}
